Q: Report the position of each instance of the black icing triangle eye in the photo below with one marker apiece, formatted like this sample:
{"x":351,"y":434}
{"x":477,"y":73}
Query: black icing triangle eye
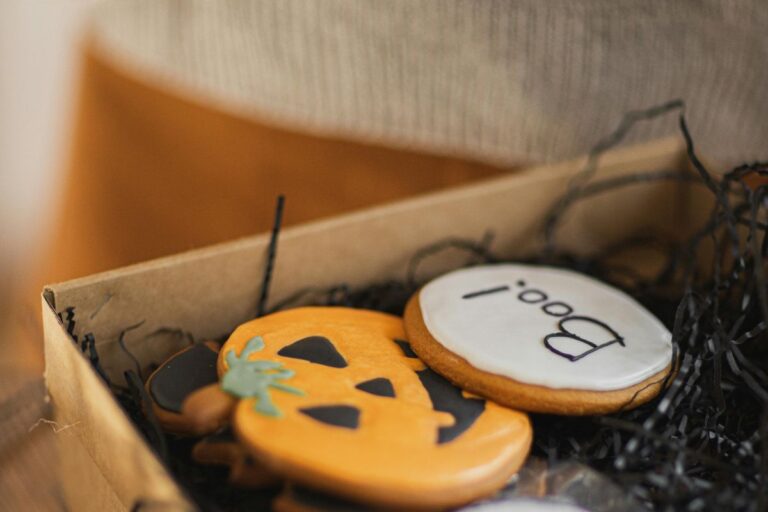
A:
{"x":345,"y":416}
{"x":406,"y":348}
{"x":315,"y":349}
{"x":379,"y":386}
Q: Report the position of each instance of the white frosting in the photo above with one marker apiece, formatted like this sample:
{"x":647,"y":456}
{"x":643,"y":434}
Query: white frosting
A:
{"x":498,"y":332}
{"x":523,"y":505}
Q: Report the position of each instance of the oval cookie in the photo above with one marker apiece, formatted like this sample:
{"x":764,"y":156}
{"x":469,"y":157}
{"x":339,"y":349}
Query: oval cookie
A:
{"x":540,"y":339}
{"x":341,"y":404}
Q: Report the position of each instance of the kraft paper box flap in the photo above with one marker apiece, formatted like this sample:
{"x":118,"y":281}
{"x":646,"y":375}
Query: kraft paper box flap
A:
{"x":99,"y":438}
{"x":205,"y":293}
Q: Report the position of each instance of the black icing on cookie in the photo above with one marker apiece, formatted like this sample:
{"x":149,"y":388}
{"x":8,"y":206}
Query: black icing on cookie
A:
{"x":580,"y":336}
{"x":489,"y":291}
{"x":315,"y":349}
{"x":183,"y":374}
{"x":380,"y":386}
{"x":406,"y":348}
{"x":448,"y":398}
{"x":345,"y":416}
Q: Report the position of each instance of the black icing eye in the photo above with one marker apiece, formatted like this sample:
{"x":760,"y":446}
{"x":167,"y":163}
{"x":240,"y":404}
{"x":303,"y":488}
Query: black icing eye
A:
{"x":379,"y":386}
{"x":406,"y":348}
{"x":345,"y":416}
{"x":315,"y":349}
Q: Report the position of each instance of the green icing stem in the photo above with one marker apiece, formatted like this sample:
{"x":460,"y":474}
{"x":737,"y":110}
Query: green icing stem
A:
{"x":252,"y":379}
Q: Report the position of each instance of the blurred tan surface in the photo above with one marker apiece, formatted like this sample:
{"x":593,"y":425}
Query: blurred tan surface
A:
{"x":27,"y":447}
{"x":151,"y":174}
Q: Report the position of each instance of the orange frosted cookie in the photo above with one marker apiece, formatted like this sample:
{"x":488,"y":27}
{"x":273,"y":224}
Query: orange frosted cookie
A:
{"x":334,"y":398}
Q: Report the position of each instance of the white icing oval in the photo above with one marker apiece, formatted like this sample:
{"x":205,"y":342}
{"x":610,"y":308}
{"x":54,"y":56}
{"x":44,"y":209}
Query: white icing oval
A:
{"x":485,"y":315}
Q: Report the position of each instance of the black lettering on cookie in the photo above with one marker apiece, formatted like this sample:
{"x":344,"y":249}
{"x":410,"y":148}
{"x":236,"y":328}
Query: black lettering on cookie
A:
{"x":557,"y":308}
{"x":489,"y":291}
{"x":580,"y":336}
{"x":532,"y":296}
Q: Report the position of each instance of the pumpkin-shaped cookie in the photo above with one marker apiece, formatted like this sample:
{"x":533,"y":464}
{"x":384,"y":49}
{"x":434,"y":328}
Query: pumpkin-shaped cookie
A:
{"x":339,"y":402}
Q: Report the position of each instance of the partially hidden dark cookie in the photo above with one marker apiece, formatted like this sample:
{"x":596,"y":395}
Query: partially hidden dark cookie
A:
{"x":540,"y":339}
{"x":185,"y":392}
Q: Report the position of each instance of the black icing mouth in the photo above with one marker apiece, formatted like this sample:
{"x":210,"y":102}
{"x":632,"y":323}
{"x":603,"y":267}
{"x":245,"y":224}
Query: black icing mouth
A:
{"x":448,"y":398}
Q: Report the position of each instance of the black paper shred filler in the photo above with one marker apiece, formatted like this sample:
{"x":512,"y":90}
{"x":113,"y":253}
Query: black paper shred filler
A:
{"x":699,"y":445}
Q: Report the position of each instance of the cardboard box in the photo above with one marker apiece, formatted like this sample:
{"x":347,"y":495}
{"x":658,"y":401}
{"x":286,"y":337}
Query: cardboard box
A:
{"x":106,"y":465}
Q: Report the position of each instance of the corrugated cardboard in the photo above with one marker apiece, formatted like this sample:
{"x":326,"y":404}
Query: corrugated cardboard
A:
{"x":208,"y":292}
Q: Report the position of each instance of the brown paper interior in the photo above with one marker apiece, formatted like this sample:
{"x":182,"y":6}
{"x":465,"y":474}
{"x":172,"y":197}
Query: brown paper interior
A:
{"x":208,"y":292}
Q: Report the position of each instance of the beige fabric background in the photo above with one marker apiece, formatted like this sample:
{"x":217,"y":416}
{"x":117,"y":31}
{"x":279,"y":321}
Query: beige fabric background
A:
{"x":497,"y":80}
